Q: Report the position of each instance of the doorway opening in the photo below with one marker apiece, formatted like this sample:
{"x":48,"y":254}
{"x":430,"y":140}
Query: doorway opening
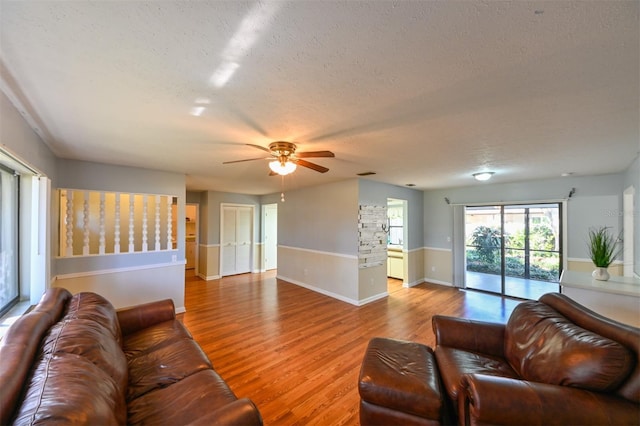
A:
{"x":514,"y":250}
{"x":191,"y":237}
{"x":397,"y":233}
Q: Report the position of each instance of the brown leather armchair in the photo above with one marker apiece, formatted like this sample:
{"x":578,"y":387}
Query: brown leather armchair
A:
{"x":554,"y":362}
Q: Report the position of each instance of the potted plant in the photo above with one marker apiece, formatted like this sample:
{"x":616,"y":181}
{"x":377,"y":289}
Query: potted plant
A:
{"x":602,"y":251}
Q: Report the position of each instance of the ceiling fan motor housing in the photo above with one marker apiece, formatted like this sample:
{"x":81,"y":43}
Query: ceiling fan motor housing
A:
{"x":283,"y":150}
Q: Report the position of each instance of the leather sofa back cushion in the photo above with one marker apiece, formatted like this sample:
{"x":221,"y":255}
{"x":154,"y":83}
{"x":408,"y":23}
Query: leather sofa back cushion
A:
{"x":90,"y":328}
{"x":82,"y":363}
{"x":544,"y":346}
{"x":67,"y":389}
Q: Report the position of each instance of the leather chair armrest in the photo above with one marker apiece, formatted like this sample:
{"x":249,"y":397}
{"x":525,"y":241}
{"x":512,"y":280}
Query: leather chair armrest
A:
{"x":470,"y":335}
{"x":241,"y":412}
{"x":495,"y":400}
{"x":142,"y":316}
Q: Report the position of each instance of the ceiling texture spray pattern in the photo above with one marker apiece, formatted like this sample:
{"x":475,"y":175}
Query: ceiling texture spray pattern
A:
{"x":419,"y":92}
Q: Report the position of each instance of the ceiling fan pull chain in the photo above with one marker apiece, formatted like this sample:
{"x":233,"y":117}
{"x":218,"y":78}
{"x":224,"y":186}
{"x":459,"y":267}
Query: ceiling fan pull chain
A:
{"x":282,"y":184}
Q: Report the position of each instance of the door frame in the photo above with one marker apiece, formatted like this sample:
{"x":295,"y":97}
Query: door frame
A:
{"x":197,"y":236}
{"x":251,"y":233}
{"x":460,"y":267}
{"x":628,"y":256}
{"x":404,"y":204}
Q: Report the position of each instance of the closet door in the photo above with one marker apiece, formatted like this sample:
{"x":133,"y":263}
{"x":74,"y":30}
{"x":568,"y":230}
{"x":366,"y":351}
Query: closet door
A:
{"x":243,"y":239}
{"x":228,"y":243}
{"x":236,"y":240}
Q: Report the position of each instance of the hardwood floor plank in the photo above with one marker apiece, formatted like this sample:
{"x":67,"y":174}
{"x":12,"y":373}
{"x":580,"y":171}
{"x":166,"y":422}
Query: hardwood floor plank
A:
{"x":297,"y":353}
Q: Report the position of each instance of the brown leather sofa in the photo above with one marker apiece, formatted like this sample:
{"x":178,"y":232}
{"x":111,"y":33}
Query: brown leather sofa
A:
{"x":555,"y":362}
{"x":74,"y":359}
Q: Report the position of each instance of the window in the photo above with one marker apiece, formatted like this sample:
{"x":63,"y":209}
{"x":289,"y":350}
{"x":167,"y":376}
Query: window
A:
{"x":9,"y":286}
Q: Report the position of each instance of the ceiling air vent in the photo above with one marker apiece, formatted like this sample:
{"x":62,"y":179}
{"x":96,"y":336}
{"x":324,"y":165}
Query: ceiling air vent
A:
{"x":366,"y":173}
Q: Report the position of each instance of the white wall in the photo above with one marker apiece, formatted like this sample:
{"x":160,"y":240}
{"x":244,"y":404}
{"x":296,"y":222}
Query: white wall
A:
{"x":596,"y":202}
{"x":124,"y":279}
{"x":17,"y":137}
{"x":318,"y":239}
{"x":322,"y":217}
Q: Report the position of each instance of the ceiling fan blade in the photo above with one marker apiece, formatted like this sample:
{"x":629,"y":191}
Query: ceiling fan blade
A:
{"x":259,"y":147}
{"x":312,"y":166}
{"x":310,"y":154}
{"x":242,"y":161}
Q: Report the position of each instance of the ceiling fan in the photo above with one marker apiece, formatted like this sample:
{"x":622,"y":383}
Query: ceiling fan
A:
{"x":284,"y":158}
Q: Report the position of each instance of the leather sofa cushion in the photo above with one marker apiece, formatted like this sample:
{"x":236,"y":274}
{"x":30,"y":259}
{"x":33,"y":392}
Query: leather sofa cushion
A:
{"x":69,"y":389}
{"x":83,"y":344}
{"x":20,"y":346}
{"x":183,"y":402}
{"x":455,"y":363}
{"x":92,"y":306}
{"x":165,"y":365}
{"x":90,"y":328}
{"x":544,"y":346}
{"x":148,"y":339}
{"x":161,"y":355}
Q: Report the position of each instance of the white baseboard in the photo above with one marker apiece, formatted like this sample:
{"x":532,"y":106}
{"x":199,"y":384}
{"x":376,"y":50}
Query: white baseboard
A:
{"x":373,"y":298}
{"x":335,"y":295}
{"x":209,"y":277}
{"x":432,"y":281}
{"x":319,"y":290}
{"x":413,"y":284}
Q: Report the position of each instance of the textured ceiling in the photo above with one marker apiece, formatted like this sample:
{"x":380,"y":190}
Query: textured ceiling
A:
{"x":420,"y":92}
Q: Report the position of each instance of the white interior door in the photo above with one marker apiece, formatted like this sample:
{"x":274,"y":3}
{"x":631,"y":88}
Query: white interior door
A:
{"x":270,"y":236}
{"x":244,"y":218}
{"x":236,"y":242}
{"x":228,"y":243}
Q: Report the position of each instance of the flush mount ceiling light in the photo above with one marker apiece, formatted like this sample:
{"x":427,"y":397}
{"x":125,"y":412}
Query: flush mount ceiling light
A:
{"x":282,"y":167}
{"x":482,"y":176}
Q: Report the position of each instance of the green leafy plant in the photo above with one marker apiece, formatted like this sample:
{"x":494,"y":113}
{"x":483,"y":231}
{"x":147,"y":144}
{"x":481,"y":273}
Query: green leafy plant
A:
{"x":487,"y":241}
{"x":602,"y":246}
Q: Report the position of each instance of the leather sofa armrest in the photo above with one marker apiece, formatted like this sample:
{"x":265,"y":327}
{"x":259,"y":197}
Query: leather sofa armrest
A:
{"x":241,"y":412}
{"x":496,"y":400}
{"x":142,"y":316}
{"x":470,"y":335}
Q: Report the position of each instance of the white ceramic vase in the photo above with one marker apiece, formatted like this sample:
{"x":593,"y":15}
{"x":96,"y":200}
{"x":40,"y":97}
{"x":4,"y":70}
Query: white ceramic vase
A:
{"x":600,"y":274}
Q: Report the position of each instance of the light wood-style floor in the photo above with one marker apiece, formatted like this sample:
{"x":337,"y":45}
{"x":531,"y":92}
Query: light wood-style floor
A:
{"x":297,"y":353}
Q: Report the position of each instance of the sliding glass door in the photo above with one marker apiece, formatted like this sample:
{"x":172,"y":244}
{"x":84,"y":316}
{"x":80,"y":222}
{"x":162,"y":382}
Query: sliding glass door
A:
{"x":513,"y":250}
{"x":9,"y":290}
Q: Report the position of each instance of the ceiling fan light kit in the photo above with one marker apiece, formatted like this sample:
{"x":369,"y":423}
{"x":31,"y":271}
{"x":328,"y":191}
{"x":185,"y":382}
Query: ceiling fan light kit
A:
{"x":282,"y":168}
